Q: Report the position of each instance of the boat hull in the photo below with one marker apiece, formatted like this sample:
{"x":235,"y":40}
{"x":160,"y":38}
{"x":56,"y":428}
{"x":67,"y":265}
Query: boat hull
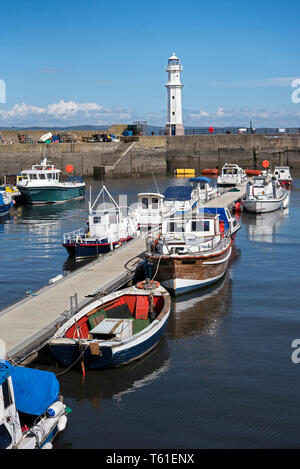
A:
{"x":4,"y":209}
{"x":91,"y":249}
{"x":186,"y":273}
{"x":67,"y":354}
{"x":48,"y":195}
{"x":265,"y":206}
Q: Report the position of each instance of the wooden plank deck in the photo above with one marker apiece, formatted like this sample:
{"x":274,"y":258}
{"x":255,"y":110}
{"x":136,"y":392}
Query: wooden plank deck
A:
{"x":26,"y":325}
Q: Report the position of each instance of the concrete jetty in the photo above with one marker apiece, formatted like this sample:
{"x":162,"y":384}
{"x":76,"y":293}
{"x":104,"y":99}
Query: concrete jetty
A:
{"x":26,"y":325}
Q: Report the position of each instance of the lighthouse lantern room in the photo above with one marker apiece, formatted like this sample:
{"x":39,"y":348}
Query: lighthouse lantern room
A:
{"x":174,"y":124}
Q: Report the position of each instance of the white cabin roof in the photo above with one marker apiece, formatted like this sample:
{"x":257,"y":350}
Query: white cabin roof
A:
{"x":151,"y":194}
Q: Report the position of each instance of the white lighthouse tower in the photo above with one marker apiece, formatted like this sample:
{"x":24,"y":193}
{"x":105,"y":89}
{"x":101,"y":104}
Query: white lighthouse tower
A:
{"x":174,"y":124}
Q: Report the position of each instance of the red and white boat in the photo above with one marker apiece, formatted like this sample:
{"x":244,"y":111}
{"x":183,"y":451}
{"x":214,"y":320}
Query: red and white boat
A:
{"x":283,"y":176}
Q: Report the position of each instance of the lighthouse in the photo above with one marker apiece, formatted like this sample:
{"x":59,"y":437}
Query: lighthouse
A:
{"x":174,"y":124}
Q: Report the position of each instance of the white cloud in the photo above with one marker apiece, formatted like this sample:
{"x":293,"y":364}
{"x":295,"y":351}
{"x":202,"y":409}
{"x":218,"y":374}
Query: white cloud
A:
{"x":67,"y":113}
{"x":64,"y":113}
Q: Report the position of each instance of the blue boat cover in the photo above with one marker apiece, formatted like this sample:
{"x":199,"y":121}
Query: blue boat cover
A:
{"x":4,"y":371}
{"x":199,"y":179}
{"x":218,"y":211}
{"x":178,"y":193}
{"x":34,"y":390}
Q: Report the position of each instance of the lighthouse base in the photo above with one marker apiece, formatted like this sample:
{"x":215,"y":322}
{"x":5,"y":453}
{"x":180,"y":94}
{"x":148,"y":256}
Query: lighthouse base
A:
{"x":174,"y":129}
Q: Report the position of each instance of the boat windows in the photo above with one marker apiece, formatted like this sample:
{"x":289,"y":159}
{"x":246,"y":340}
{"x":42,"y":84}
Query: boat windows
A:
{"x":42,"y":176}
{"x":49,"y":176}
{"x":145,"y":202}
{"x":5,"y":437}
{"x":175,"y":227}
{"x":200,"y":225}
{"x":33,"y":176}
{"x":97,"y":219}
{"x":155,"y":203}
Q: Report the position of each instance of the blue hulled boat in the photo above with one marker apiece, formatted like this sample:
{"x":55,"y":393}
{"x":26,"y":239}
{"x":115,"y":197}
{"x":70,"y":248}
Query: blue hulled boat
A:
{"x":6,"y":202}
{"x":115,"y":330}
{"x":107,"y":228}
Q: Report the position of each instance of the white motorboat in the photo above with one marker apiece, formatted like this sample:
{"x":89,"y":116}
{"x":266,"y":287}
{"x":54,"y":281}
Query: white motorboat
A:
{"x":265,"y":194}
{"x":284,"y":176}
{"x":205,"y":190}
{"x":231,"y":175}
{"x":108,"y":228}
{"x":31,"y":410}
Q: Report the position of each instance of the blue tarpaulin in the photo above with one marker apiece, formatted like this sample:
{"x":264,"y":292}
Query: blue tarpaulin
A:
{"x":34,"y":390}
{"x":200,"y":179}
{"x":178,"y":193}
{"x":218,"y":211}
{"x":4,"y":371}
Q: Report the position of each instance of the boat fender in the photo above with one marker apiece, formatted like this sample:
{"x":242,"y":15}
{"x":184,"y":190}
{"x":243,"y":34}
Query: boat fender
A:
{"x":47,"y":445}
{"x":237,"y":207}
{"x":56,"y":409}
{"x":148,"y":285}
{"x":62,"y":423}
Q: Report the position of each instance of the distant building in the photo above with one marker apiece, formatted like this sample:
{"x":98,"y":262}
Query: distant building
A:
{"x":174,"y":125}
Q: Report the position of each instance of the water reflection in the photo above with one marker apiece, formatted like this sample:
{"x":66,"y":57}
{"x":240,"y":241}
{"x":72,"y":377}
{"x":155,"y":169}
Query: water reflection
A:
{"x":114,"y":383}
{"x":199,"y":313}
{"x":263,"y":227}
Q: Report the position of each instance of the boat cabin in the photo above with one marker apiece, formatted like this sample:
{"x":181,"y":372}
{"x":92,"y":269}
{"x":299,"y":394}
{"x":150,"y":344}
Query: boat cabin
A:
{"x":150,"y":210}
{"x":199,"y":182}
{"x":189,"y":234}
{"x":262,"y":187}
{"x":43,"y":172}
{"x":282,"y":173}
{"x":181,"y":198}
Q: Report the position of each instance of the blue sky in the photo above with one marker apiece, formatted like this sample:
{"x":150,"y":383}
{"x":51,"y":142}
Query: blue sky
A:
{"x":94,"y":62}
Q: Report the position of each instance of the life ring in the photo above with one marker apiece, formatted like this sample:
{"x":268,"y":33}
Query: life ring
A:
{"x":150,"y":285}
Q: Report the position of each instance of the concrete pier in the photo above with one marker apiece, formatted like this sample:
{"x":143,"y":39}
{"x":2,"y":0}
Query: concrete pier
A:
{"x":27,"y":325}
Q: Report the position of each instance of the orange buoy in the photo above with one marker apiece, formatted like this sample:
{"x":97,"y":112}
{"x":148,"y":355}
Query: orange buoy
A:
{"x":266,"y":164}
{"x":144,"y":285}
{"x":69,"y":168}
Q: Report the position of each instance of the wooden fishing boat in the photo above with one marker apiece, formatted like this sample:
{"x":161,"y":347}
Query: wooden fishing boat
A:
{"x":115,"y":330}
{"x":190,"y":252}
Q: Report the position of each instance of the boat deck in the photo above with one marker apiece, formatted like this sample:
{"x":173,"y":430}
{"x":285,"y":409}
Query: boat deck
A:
{"x":27,"y":324}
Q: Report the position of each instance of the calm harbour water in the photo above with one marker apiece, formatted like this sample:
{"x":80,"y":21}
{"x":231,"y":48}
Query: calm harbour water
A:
{"x":222,"y":377}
